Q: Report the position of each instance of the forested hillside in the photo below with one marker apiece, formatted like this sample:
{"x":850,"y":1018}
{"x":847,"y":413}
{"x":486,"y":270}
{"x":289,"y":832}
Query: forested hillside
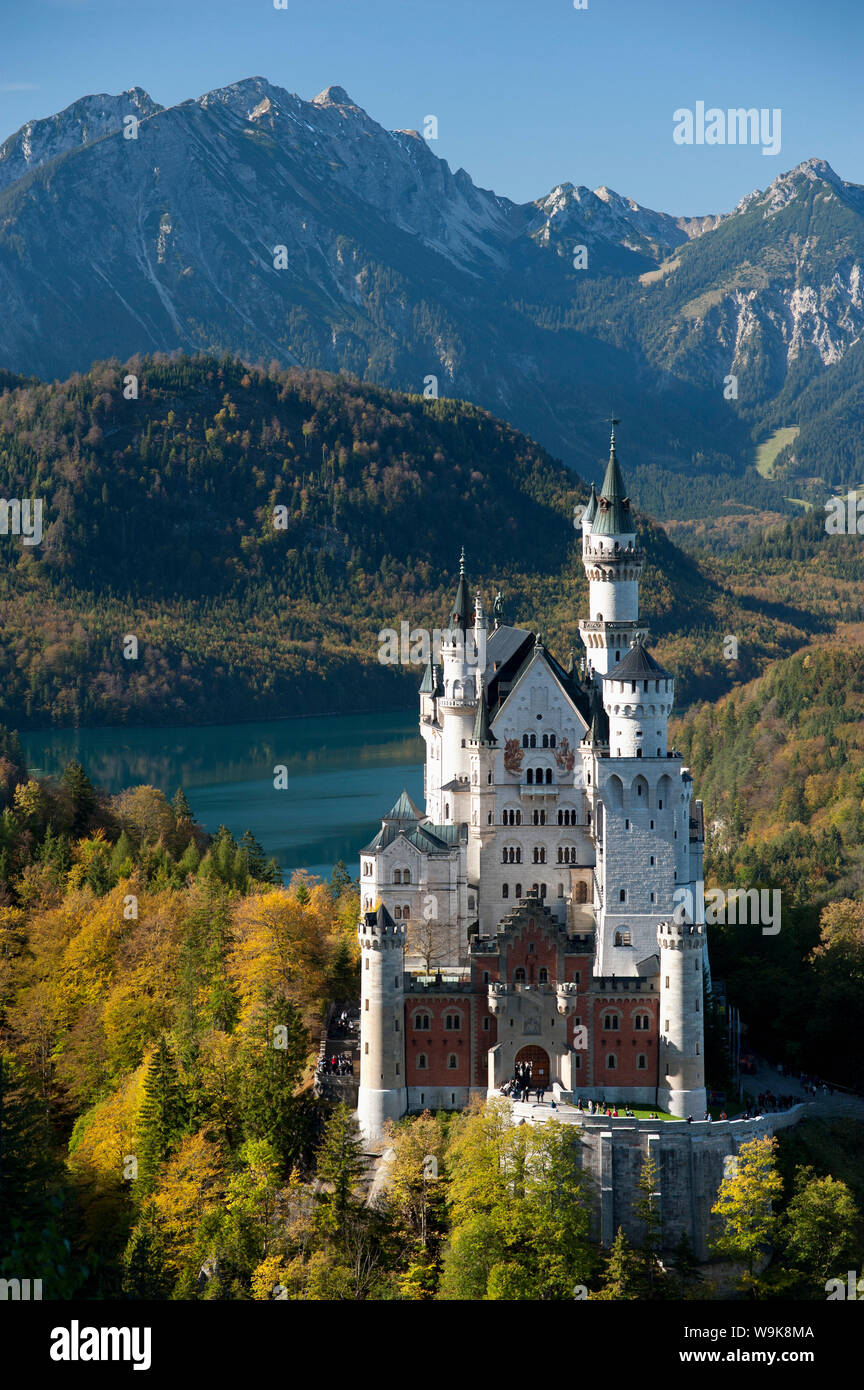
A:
{"x":255,"y":529}
{"x":161,"y":996}
{"x":780,"y":767}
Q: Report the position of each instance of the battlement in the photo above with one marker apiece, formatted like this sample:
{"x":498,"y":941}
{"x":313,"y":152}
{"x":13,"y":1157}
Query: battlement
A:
{"x":679,"y":935}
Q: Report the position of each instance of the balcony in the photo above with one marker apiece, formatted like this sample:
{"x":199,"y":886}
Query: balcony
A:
{"x":547,"y":789}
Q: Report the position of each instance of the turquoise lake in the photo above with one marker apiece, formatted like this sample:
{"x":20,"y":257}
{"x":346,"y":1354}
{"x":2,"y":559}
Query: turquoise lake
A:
{"x":344,"y":773}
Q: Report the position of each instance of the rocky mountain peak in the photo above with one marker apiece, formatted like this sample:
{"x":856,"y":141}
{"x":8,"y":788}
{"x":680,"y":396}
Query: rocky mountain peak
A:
{"x":333,"y":96}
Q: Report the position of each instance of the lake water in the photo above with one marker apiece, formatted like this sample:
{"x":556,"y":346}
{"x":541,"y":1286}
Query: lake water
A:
{"x":344,"y":774}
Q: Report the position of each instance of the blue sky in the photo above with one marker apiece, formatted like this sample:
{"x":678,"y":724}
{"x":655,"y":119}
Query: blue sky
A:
{"x":528,"y":93}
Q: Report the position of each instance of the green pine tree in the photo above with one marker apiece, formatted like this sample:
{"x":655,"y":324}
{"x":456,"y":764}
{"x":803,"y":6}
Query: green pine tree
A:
{"x":624,"y":1276}
{"x":340,"y":1165}
{"x":162,"y":1117}
{"x":82,"y":796}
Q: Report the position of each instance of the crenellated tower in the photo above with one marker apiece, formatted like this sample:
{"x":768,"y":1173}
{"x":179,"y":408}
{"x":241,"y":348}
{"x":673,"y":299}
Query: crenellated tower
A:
{"x":382,"y":1017}
{"x":681,"y":1079}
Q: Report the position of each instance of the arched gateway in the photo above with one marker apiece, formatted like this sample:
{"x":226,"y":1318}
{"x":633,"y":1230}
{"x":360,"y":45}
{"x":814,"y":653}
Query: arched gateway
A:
{"x":537,"y":1059}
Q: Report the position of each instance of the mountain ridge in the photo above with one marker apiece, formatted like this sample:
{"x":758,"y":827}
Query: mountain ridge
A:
{"x":405,"y":273}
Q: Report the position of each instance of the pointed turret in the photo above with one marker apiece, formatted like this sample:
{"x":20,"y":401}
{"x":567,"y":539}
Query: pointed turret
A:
{"x":460,"y":614}
{"x":482,"y":727}
{"x":598,"y":732}
{"x":588,"y":514}
{"x":613,"y":516}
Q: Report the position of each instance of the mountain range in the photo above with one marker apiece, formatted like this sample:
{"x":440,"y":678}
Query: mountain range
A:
{"x":250,"y":221}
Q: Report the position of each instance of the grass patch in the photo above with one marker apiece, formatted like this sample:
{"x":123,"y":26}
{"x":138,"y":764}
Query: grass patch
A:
{"x":768,"y":450}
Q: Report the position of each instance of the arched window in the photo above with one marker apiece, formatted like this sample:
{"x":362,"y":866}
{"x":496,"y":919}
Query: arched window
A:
{"x":421,"y":1023}
{"x":452,"y":1023}
{"x":551,"y":740}
{"x":524,"y":740}
{"x":505,"y":890}
{"x":611,"y":1023}
{"x":519,"y":976}
{"x":641,"y":1023}
{"x":518,"y":890}
{"x":543,"y":977}
{"x":397,"y":913}
{"x":530,"y":777}
{"x":622,"y":895}
{"x":406,"y":875}
{"x":611,"y":1061}
{"x":406,"y":912}
{"x":582,"y":892}
{"x":545,"y":740}
{"x":549,"y":776}
{"x":397,"y":875}
{"x":422,"y":1062}
{"x":533,"y":740}
{"x":452,"y":1062}
{"x":641,"y":1062}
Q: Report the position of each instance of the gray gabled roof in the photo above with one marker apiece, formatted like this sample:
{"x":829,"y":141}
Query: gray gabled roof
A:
{"x":638,"y":665}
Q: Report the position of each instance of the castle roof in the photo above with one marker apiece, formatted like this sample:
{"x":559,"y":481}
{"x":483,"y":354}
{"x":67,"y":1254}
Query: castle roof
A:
{"x":431,"y":683}
{"x":598,"y":733}
{"x":589,"y":512}
{"x":460,"y":613}
{"x":613,"y":517}
{"x":638,"y":664}
{"x":482,"y":728}
{"x":419,"y":832}
{"x":404,"y":810}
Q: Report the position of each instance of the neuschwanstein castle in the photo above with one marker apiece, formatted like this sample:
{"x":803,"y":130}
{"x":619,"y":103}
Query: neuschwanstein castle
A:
{"x":547,"y":905}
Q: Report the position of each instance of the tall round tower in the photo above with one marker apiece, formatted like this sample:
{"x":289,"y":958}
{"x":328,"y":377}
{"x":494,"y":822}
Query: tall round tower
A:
{"x":382,"y":1094}
{"x":613,"y":564}
{"x":463,"y":658}
{"x":681,"y":1056}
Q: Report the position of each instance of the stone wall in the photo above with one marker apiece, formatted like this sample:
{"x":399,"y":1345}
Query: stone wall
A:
{"x":691,"y":1162}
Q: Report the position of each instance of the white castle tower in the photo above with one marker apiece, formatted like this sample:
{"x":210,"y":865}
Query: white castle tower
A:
{"x":681,"y":1088}
{"x":648,"y":849}
{"x":382,"y":1056}
{"x":613,"y":564}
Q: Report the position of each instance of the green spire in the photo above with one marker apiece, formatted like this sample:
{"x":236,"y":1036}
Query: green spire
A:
{"x":460,"y":614}
{"x":613,"y":517}
{"x":588,"y":514}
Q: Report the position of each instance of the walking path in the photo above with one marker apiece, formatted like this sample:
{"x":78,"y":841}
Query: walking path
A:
{"x":768,"y":1078}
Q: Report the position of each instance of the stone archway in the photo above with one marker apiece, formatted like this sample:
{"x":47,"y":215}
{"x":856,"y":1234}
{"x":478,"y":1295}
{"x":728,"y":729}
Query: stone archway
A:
{"x":537,"y":1059}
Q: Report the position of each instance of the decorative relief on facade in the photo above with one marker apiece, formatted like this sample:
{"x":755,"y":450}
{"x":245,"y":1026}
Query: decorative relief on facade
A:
{"x":564,"y":756}
{"x":513,"y":754}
